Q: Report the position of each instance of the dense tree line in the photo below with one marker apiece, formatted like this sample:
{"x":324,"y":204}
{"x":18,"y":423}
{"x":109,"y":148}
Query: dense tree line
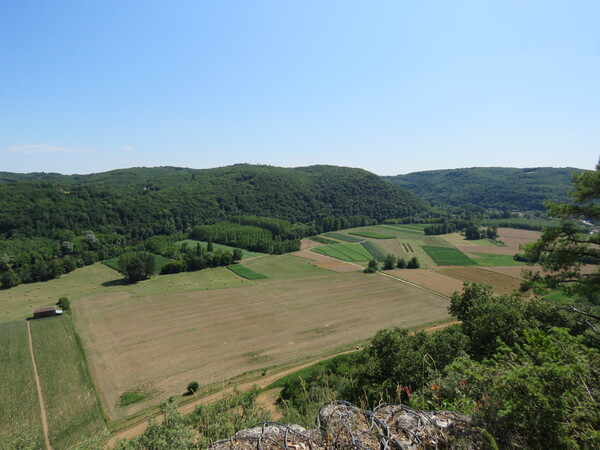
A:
{"x":490,"y":187}
{"x":139,"y":203}
{"x":244,"y":236}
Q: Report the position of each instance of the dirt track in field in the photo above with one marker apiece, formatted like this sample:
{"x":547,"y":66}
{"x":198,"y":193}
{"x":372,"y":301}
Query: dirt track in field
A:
{"x":166,"y":340}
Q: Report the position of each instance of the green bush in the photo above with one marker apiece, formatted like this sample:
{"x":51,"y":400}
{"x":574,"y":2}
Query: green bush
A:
{"x":192,"y":387}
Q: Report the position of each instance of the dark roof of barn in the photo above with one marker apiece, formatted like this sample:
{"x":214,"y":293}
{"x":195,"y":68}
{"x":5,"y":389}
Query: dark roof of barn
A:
{"x":44,"y":309}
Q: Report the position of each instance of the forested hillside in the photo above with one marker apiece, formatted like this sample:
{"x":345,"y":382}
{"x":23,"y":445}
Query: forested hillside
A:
{"x":141,"y":202}
{"x":490,"y":187}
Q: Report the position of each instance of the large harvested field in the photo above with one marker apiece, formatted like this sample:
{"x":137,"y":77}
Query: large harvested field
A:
{"x":430,"y":279}
{"x":72,"y":409}
{"x":500,"y":283}
{"x":167,"y":339}
{"x":19,"y":406}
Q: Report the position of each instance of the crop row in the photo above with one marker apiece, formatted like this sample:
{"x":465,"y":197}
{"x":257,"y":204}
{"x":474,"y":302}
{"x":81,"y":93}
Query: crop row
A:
{"x":342,"y":237}
{"x":374,"y":250}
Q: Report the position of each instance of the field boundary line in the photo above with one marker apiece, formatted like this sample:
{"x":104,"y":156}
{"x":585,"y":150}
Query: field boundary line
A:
{"x":40,"y":393}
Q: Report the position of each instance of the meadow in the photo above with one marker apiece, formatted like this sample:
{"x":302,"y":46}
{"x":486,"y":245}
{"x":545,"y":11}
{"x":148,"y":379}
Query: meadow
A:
{"x":445,"y":256}
{"x":73,"y":412}
{"x":345,"y":252}
{"x":245,"y":272}
{"x":20,"y":418}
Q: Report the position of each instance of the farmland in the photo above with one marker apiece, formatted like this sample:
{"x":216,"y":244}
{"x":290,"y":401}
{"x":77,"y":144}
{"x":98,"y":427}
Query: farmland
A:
{"x":444,"y":256}
{"x":19,"y":406}
{"x":345,"y":252}
{"x":245,"y":272}
{"x":298,"y":306}
{"x":72,"y":409}
{"x":372,"y":235}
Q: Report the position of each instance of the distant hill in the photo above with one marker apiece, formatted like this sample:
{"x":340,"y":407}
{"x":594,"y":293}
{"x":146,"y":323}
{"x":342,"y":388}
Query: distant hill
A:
{"x":140,"y":202}
{"x":490,"y":187}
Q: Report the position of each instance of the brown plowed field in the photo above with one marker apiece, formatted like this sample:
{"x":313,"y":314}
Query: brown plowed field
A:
{"x":169,"y":339}
{"x":431,"y":279}
{"x":307,"y":243}
{"x":501,"y":284}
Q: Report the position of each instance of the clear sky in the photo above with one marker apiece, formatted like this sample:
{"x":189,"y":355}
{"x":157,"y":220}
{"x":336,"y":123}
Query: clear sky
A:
{"x":389,"y":86}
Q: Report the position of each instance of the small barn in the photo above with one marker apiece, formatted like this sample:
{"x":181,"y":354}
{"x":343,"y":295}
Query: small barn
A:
{"x":46,"y":311}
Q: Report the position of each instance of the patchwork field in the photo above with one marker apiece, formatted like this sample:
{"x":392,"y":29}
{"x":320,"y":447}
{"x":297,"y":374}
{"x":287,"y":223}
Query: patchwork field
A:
{"x":345,"y":252}
{"x":19,"y":407}
{"x":445,"y":256}
{"x":73,"y":412}
{"x":167,"y":339}
{"x":500,"y":283}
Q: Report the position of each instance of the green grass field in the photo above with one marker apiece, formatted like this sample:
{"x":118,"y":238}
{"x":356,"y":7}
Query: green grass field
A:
{"x":342,"y":237}
{"x":490,"y":260}
{"x":447,"y":256}
{"x":245,"y":253}
{"x":245,"y":272}
{"x":371,"y":235}
{"x":160,"y":261}
{"x":345,"y":252}
{"x":407,"y":228}
{"x":73,"y":412}
{"x":19,"y":406}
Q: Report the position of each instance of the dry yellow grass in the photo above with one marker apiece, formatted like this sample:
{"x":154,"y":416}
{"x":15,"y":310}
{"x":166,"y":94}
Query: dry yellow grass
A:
{"x":168,"y":339}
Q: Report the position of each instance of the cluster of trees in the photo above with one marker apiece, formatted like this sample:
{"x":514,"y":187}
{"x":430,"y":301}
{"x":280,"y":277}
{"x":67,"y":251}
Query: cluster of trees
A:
{"x":244,"y":236}
{"x":474,"y":232}
{"x":393,"y":262}
{"x":442,"y":228}
{"x":197,"y":258}
{"x":28,"y":260}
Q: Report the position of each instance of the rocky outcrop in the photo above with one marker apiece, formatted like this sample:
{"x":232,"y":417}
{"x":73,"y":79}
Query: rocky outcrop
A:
{"x":343,"y":425}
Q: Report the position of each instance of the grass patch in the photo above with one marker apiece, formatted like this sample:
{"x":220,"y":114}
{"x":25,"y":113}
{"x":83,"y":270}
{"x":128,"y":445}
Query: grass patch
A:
{"x":192,"y":243}
{"x":345,"y":252}
{"x":489,"y":260}
{"x":135,"y":395}
{"x":159,"y":262}
{"x":322,"y":240}
{"x":342,"y":237}
{"x":245,"y":272}
{"x":447,"y":256}
{"x":324,"y":366}
{"x":73,"y":412}
{"x":19,"y":406}
{"x":284,"y":267}
{"x":369,"y":234}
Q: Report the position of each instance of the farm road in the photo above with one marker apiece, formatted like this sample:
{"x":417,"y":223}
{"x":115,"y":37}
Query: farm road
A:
{"x":40,"y":393}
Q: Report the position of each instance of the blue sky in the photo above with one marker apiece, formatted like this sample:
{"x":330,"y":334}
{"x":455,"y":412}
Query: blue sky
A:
{"x":391,"y":87}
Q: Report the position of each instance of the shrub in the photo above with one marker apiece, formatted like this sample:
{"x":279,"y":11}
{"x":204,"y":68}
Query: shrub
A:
{"x":192,"y":387}
{"x":64,"y":303}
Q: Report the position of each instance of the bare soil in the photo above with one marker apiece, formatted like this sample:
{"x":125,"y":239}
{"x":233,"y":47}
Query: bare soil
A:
{"x":500,"y":283}
{"x":431,"y":279}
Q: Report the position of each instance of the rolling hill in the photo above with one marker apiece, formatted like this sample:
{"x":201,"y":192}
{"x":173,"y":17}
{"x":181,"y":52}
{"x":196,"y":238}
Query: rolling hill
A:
{"x":490,"y":187}
{"x":141,"y":202}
